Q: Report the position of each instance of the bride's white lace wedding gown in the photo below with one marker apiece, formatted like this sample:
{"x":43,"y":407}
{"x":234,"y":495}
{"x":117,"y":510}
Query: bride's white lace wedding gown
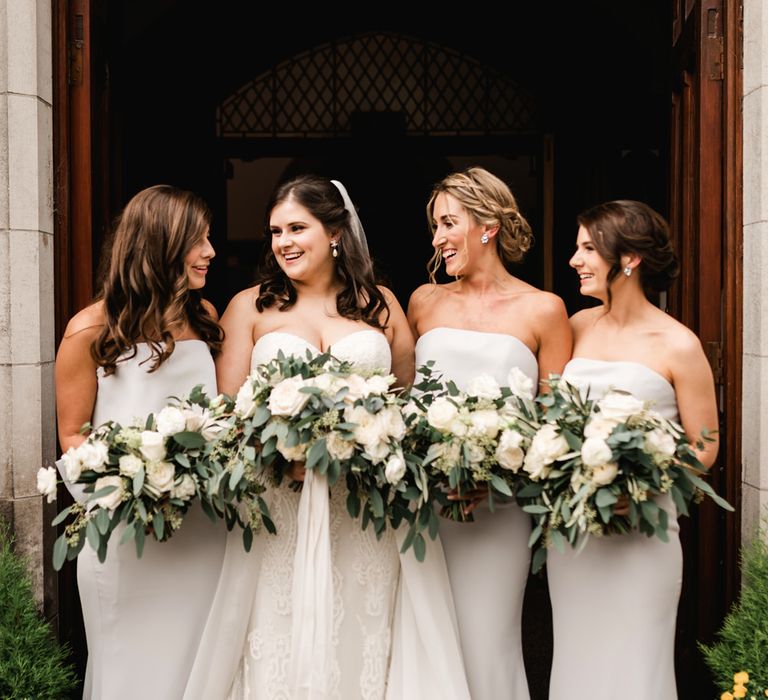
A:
{"x":391,"y":621}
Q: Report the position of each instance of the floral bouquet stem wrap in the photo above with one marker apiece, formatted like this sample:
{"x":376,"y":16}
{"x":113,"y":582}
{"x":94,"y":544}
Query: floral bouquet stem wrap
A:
{"x":589,"y":453}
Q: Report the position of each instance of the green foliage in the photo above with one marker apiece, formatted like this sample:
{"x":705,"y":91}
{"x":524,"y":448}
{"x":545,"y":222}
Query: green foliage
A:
{"x":743,"y":639}
{"x":32,"y":663}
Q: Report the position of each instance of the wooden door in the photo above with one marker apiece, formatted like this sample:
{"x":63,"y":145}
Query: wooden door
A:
{"x":705,"y":213}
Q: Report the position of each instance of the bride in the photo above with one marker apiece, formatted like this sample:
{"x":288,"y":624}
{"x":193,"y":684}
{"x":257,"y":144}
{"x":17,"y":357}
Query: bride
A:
{"x":386,"y":627}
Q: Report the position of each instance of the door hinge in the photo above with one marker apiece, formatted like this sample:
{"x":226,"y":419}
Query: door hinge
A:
{"x":714,"y":352}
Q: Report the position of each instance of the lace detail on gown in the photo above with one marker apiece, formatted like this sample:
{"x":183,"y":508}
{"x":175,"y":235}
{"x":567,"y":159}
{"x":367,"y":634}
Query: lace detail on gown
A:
{"x":364,"y":570}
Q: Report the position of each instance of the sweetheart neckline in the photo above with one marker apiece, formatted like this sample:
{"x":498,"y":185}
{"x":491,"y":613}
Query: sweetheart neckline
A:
{"x":313,"y":346}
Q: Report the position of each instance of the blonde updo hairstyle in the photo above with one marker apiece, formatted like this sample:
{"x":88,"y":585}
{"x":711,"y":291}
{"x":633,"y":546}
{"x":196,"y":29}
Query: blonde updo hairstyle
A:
{"x":490,"y":203}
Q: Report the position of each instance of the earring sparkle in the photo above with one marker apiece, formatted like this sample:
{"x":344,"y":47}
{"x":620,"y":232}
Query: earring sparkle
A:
{"x":628,"y":271}
{"x":484,"y":238}
{"x":335,"y":249}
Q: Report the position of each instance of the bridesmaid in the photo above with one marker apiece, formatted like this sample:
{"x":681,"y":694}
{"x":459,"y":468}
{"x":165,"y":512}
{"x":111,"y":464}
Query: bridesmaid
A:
{"x":614,"y":604}
{"x":486,"y":321}
{"x":149,"y":336}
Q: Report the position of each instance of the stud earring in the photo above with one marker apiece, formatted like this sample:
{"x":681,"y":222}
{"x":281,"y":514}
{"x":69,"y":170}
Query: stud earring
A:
{"x":484,"y":238}
{"x":628,"y":271}
{"x":335,"y":249}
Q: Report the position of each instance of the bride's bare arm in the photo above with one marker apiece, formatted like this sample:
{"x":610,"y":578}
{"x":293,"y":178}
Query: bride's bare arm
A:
{"x":554,"y":335}
{"x":401,"y":341}
{"x":234,"y":362}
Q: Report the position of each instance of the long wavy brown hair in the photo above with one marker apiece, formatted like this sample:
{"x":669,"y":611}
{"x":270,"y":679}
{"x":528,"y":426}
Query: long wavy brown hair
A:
{"x":359,"y":299}
{"x":489,"y":202}
{"x":146,"y":292}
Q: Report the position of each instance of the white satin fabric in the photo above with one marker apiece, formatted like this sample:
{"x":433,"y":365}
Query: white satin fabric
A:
{"x":144,"y":618}
{"x":324,"y":609}
{"x":614,"y":604}
{"x":488,"y":559}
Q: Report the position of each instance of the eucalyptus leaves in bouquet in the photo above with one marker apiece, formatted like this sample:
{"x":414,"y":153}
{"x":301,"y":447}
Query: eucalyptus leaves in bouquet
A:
{"x":590,"y":452}
{"x":340,"y":422}
{"x":143,"y":475}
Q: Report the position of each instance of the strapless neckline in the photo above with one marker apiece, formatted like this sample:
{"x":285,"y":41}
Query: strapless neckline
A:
{"x":311,"y":345}
{"x":511,"y":337}
{"x":630,"y":363}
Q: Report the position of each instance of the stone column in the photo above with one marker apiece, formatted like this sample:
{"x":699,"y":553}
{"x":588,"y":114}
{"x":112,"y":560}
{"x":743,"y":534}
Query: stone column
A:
{"x":755,"y":366}
{"x":27,"y":426}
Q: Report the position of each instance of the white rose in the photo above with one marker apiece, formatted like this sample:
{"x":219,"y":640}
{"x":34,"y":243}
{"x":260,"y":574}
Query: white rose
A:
{"x":660,"y":442}
{"x":160,"y":475}
{"x":186,"y":489}
{"x":46,"y":483}
{"x":113,"y":499}
{"x":475,"y":453}
{"x":130,"y":465}
{"x":394,"y":470}
{"x":549,"y":444}
{"x":286,"y":399}
{"x":393,"y":419}
{"x":509,"y":453}
{"x":72,"y":464}
{"x":619,"y":405}
{"x":369,"y":428}
{"x":171,"y":421}
{"x":327,"y":383}
{"x":93,"y":455}
{"x":152,"y":445}
{"x":599,"y":427}
{"x":458,"y":427}
{"x":244,"y":402}
{"x":441,"y":413}
{"x":595,"y":452}
{"x":520,"y":383}
{"x":484,"y":386}
{"x":339,"y":448}
{"x":377,"y":451}
{"x":604,"y":474}
{"x":484,"y":423}
{"x":297,"y":453}
{"x":377,"y":384}
{"x":535,"y":465}
{"x":357,"y":388}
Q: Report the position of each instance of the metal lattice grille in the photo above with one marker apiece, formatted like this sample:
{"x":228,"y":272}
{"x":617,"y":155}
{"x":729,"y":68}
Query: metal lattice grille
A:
{"x":315,"y":94}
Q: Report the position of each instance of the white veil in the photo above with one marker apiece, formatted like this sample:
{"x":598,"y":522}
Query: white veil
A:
{"x":358,"y":233}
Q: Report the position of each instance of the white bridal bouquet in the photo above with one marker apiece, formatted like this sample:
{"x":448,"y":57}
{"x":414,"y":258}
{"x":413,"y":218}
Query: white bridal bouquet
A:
{"x":338,"y":421}
{"x":587,"y":453}
{"x":147,"y":474}
{"x":473,"y":439}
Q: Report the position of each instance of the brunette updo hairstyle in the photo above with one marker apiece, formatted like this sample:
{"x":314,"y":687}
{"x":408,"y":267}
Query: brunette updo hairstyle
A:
{"x":625,"y":227}
{"x":490,"y":203}
{"x":359,"y":299}
{"x":146,"y":292}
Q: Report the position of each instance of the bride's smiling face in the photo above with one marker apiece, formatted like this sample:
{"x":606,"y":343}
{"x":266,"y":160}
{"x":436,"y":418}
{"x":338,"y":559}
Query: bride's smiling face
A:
{"x":300,"y":242}
{"x":455,"y":233}
{"x":591,"y":267}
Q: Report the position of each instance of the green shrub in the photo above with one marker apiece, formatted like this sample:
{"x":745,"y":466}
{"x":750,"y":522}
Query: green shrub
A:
{"x":742,"y":643}
{"x":32,"y":663}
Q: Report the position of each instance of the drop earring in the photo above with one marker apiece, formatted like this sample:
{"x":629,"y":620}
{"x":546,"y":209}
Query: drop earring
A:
{"x":484,"y":238}
{"x":335,"y":249}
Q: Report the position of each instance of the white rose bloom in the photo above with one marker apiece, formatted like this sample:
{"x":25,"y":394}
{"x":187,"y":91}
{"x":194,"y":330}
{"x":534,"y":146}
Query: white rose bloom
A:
{"x":458,"y":427}
{"x":130,"y":465}
{"x":484,"y":423}
{"x":152,"y":445}
{"x":604,"y":474}
{"x":160,"y":475}
{"x":595,"y":452}
{"x":286,"y":399}
{"x":599,"y":427}
{"x":46,"y":483}
{"x":535,"y":465}
{"x":441,"y":414}
{"x":357,"y":388}
{"x":72,"y":464}
{"x":195,"y":418}
{"x":297,"y":453}
{"x":660,"y":442}
{"x":394,"y":470}
{"x":186,"y":489}
{"x":113,"y":499}
{"x":549,"y":444}
{"x":244,"y":402}
{"x":476,"y":453}
{"x":393,"y":419}
{"x":339,"y":448}
{"x":327,"y":383}
{"x":170,"y":421}
{"x":520,"y":383}
{"x":378,"y":451}
{"x":377,"y":384}
{"x":484,"y":386}
{"x":619,"y":405}
{"x":369,"y":428}
{"x":93,"y":455}
{"x":509,"y":453}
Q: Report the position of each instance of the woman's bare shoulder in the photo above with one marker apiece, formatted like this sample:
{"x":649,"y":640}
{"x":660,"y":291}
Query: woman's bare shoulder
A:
{"x":88,"y":321}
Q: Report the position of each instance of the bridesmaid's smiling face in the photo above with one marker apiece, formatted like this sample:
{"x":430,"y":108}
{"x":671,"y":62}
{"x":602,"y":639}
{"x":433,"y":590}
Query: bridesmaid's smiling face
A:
{"x":300,"y":243}
{"x":592,"y":267}
{"x":455,"y":233}
{"x":197,"y":261}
